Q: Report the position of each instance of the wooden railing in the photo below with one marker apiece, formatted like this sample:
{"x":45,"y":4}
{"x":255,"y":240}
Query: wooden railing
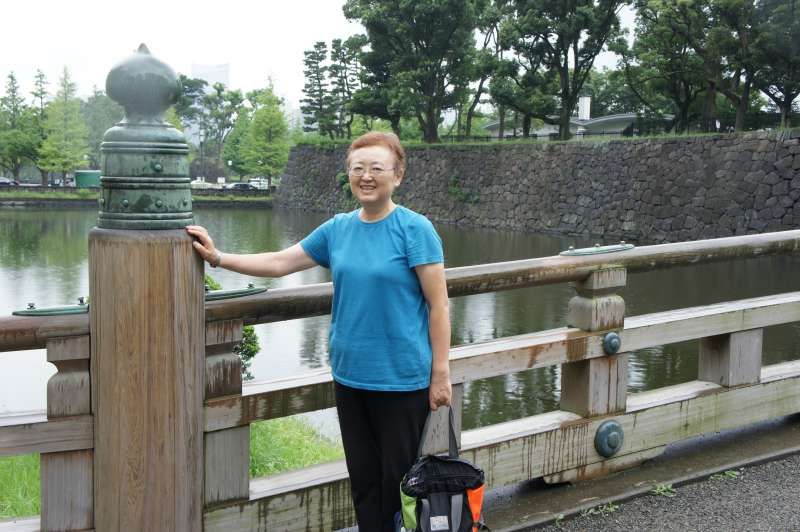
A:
{"x":733,"y":389}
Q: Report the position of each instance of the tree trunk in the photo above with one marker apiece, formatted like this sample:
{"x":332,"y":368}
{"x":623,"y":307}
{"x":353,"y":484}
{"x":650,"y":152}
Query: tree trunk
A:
{"x":744,"y":102}
{"x":563,"y":122}
{"x":431,"y":130}
{"x":516,"y":120}
{"x":786,"y":114}
{"x":15,"y":172}
{"x":501,"y":110}
{"x":45,"y":176}
{"x":710,"y":109}
{"x":526,"y":126}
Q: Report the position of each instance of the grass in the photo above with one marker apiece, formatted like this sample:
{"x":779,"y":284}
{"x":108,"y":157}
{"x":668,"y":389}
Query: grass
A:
{"x":19,"y":486}
{"x":726,"y":475}
{"x":602,"y":511}
{"x":664,"y":490}
{"x":275,"y":446}
{"x":289,"y":443}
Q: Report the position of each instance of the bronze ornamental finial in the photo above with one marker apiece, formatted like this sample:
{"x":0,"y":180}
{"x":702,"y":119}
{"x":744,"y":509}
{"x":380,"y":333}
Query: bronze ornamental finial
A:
{"x":145,"y":183}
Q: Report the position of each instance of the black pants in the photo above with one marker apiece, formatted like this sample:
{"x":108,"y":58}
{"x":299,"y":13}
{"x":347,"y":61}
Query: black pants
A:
{"x":380,"y":434}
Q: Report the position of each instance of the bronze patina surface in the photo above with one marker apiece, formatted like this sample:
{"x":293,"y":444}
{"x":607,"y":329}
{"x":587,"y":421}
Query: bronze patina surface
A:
{"x":145,"y":162}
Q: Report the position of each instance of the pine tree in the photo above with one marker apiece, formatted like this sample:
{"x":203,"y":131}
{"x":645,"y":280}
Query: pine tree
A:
{"x":18,"y":135}
{"x":316,"y":106}
{"x":65,"y":147}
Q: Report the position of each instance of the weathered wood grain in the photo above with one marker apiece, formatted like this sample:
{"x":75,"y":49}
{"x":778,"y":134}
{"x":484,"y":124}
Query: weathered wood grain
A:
{"x":147,"y":363}
{"x":226,"y":452}
{"x":515,"y":451}
{"x":223,"y":367}
{"x":731,"y":359}
{"x":67,"y":477}
{"x":604,"y":468}
{"x":33,"y":433}
{"x":67,"y":491}
{"x":227,"y":465}
{"x":314,"y":391}
{"x":595,"y":387}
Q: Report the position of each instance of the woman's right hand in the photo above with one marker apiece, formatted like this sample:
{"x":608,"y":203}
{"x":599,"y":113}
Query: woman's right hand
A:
{"x":203,"y":244}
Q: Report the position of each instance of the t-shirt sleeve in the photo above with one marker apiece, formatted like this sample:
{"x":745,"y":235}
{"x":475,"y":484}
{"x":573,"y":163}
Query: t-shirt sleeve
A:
{"x":317,"y":244}
{"x":424,"y":245}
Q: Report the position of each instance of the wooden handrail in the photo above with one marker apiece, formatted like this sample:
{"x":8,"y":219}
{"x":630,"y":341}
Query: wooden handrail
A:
{"x":306,"y":393}
{"x":18,"y":333}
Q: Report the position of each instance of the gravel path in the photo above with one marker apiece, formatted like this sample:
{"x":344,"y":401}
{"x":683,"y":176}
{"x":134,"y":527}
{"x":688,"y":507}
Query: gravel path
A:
{"x":762,"y":497}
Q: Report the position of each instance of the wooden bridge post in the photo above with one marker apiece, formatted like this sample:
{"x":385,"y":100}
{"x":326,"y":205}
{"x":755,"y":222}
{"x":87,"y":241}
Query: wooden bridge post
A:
{"x":227,"y":451}
{"x":66,"y":477}
{"x":599,"y":385}
{"x":146,"y":316}
{"x":731,"y":359}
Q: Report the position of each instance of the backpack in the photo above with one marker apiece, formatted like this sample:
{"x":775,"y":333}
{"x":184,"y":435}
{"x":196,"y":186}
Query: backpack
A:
{"x":442,"y":493}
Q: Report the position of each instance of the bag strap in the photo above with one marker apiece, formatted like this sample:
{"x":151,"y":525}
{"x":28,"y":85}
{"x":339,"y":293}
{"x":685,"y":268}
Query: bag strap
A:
{"x":452,"y":441}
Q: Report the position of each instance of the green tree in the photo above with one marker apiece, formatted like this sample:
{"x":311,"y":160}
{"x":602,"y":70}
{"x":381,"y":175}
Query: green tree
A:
{"x":220,"y":110}
{"x":266,"y":146}
{"x":526,"y":89}
{"x":233,"y":153}
{"x":344,"y":73}
{"x":564,"y":37}
{"x":19,"y":139}
{"x":373,"y":98}
{"x":778,"y":52}
{"x":64,"y":149}
{"x":99,"y":113}
{"x":40,"y":100}
{"x":316,"y":107}
{"x":189,"y":106}
{"x":427,"y":44}
{"x":662,"y":65}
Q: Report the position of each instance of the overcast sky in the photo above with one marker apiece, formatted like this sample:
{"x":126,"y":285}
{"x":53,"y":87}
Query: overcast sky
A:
{"x":258,"y":39}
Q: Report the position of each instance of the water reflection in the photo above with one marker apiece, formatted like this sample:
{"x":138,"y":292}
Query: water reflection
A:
{"x":43,"y":258}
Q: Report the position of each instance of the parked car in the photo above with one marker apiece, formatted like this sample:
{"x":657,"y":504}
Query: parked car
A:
{"x":6,"y":182}
{"x":241,"y":186}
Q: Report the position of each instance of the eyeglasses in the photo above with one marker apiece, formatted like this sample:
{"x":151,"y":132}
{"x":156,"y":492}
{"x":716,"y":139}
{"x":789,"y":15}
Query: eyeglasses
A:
{"x":375,"y":171}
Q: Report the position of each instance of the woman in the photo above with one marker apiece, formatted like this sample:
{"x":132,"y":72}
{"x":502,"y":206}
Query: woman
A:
{"x":390,"y":326}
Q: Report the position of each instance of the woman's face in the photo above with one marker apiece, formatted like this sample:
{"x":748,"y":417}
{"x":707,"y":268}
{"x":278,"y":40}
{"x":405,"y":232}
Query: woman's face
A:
{"x":373,"y":176}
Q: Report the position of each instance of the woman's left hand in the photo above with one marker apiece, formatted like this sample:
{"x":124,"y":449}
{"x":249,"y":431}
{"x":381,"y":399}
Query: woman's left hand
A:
{"x":440,"y":390}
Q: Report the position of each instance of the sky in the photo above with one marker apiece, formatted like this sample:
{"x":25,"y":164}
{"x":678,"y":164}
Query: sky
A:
{"x":258,"y":38}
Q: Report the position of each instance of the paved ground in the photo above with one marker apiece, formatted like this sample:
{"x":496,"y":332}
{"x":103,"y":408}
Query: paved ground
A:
{"x":761,"y":497}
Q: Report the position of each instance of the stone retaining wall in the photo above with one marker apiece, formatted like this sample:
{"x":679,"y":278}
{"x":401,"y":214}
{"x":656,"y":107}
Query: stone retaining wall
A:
{"x":645,"y":190}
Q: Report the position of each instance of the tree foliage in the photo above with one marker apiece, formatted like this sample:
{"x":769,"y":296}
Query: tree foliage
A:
{"x":427,"y":46}
{"x":64,"y":149}
{"x":265,"y":148}
{"x":99,"y":113}
{"x":19,"y":134}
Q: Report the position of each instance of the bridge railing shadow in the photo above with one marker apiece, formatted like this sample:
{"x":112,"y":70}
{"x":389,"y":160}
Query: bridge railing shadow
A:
{"x":599,"y":429}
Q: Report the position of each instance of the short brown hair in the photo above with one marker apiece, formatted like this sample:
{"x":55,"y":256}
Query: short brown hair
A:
{"x":387,"y":140}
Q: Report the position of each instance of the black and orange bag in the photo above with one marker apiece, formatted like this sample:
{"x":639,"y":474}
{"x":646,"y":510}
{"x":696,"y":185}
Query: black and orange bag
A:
{"x":442,"y":493}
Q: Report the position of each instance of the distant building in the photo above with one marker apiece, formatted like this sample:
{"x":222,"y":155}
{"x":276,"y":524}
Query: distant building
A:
{"x":582,"y":124}
{"x":211,"y":74}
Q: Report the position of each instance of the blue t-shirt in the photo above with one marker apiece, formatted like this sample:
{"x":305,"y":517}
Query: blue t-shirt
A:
{"x":379,"y":321}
